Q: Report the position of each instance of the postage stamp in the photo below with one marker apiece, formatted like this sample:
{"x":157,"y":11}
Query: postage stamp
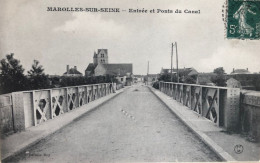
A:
{"x":243,"y":20}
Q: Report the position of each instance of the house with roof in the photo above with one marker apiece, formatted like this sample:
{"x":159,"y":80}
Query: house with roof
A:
{"x":139,"y":78}
{"x":206,"y":78}
{"x":72,"y":72}
{"x":184,"y":73}
{"x":245,"y":77}
{"x":101,"y":67}
{"x":240,"y":71}
{"x":152,"y":78}
{"x":233,"y":83}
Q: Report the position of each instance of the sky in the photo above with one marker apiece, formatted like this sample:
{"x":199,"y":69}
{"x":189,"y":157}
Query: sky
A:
{"x":58,"y":39}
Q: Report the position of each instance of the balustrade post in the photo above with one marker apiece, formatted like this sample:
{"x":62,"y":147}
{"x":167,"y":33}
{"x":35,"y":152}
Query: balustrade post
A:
{"x":168,"y":86}
{"x":67,"y":99}
{"x":93,"y":93}
{"x":218,"y":109}
{"x":51,"y":104}
{"x":98,"y":91}
{"x":104,"y":89}
{"x":78,"y":94}
{"x":200,"y":99}
{"x":107,"y":89}
{"x":181,"y":94}
{"x":170,"y":89}
{"x":176,"y":91}
{"x":162,"y":87}
{"x":86,"y":94}
{"x":231,"y":109}
{"x":34,"y":109}
{"x":18,"y":111}
{"x":190,"y":98}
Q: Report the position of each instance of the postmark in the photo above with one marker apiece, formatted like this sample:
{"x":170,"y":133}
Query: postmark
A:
{"x":243,"y":19}
{"x":238,"y":149}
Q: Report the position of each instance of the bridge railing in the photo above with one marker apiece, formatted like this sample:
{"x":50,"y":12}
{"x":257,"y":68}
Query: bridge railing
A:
{"x":218,"y":104}
{"x":20,"y":110}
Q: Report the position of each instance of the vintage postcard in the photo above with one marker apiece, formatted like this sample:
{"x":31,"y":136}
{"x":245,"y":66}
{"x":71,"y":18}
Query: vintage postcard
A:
{"x":129,"y":80}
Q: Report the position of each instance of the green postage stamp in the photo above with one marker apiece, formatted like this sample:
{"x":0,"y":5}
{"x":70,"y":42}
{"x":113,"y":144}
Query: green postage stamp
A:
{"x":243,"y":20}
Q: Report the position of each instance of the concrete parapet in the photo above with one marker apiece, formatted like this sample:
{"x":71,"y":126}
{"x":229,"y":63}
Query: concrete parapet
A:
{"x":6,"y":113}
{"x":20,"y":110}
{"x":218,"y":104}
{"x":250,"y":114}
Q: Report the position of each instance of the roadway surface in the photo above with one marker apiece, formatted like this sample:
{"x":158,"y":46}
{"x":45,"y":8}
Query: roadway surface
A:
{"x":134,"y":126}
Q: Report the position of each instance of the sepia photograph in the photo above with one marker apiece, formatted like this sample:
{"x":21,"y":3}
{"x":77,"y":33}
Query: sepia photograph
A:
{"x":129,"y":81}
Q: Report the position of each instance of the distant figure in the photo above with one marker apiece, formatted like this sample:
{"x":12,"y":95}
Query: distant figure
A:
{"x":241,"y":15}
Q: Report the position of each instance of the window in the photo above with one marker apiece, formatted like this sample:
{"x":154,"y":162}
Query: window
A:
{"x":102,"y":55}
{"x":122,"y":79}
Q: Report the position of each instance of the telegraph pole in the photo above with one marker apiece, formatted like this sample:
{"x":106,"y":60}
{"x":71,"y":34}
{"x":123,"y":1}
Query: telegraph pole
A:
{"x":177,"y":62}
{"x":171,"y":61}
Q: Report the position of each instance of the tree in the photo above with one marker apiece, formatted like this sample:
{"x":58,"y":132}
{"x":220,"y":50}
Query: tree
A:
{"x":37,"y":77}
{"x":219,"y":71}
{"x":219,"y":80}
{"x":166,"y":77}
{"x":190,"y":79}
{"x":11,"y":78}
{"x":36,"y":70}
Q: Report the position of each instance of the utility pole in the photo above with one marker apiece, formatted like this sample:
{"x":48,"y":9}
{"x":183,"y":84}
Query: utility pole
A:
{"x":171,"y":61}
{"x":177,"y":62}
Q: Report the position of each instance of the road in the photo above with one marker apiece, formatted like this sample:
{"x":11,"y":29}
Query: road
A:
{"x":134,"y":126}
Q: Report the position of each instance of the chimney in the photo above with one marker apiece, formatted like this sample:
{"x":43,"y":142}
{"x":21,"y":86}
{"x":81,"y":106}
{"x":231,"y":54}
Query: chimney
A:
{"x":68,"y":68}
{"x":247,"y":69}
{"x":75,"y":67}
{"x":233,"y":69}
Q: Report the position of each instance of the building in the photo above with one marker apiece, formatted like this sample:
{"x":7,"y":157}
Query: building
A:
{"x":152,"y":77}
{"x":90,"y":70}
{"x":100,"y":57}
{"x":240,"y":71}
{"x":184,"y":73}
{"x":139,"y":78}
{"x":233,"y":83}
{"x":101,"y":67}
{"x":72,"y":72}
{"x":248,"y":80}
{"x":206,"y":78}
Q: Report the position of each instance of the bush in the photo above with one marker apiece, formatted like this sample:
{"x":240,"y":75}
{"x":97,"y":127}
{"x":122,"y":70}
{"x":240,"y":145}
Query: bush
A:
{"x":156,"y":85}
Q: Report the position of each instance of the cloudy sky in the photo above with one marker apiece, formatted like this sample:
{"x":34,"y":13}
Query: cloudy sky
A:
{"x":57,"y":39}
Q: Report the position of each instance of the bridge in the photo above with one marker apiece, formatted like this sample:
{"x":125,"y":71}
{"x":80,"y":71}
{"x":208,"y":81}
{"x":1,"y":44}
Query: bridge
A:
{"x":104,"y":122}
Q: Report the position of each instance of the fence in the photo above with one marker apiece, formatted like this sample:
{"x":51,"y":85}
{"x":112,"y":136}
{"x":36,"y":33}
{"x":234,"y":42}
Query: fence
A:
{"x":20,"y":110}
{"x":218,"y":104}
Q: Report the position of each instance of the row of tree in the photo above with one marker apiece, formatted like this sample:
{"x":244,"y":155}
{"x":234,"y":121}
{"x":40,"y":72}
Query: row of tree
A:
{"x":12,"y":77}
